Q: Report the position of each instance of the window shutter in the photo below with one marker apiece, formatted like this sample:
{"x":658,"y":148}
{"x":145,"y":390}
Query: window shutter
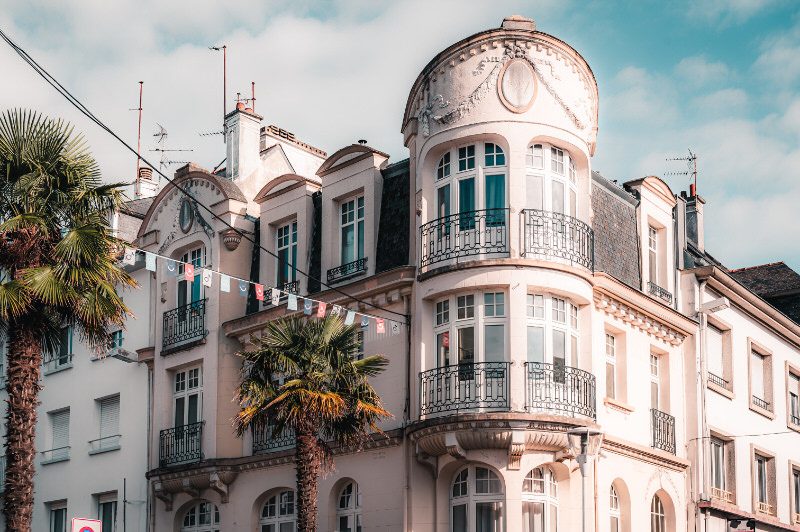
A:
{"x":109,"y":416}
{"x":60,"y":421}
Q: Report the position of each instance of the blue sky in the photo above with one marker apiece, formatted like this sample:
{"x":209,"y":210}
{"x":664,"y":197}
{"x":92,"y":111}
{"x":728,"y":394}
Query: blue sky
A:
{"x":721,"y":77}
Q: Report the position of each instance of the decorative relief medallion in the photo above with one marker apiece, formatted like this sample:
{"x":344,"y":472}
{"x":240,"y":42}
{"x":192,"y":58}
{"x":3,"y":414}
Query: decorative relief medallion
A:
{"x":186,"y":215}
{"x":516,"y":85}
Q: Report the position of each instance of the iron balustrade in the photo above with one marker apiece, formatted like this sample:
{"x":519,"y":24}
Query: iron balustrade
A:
{"x":56,"y":455}
{"x":346,"y":271}
{"x":108,"y":443}
{"x":551,"y":235}
{"x":663,"y":426}
{"x":264,"y":441}
{"x":717,"y":380}
{"x":464,"y":234}
{"x":54,"y":362}
{"x":480,"y":386}
{"x":559,"y":388}
{"x":662,"y":293}
{"x":291,"y":287}
{"x":761,"y":403}
{"x":184,"y":324}
{"x":181,"y":445}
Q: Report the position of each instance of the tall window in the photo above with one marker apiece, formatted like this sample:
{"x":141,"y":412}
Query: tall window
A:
{"x":714,"y":345}
{"x":352,"y":226}
{"x":611,"y":366}
{"x":652,"y":253}
{"x":58,"y":517}
{"x":188,"y":392}
{"x":62,"y":356}
{"x":794,"y":399}
{"x":655,"y":382}
{"x":552,"y":327}
{"x":3,"y":359}
{"x":202,"y":517}
{"x":107,"y":512}
{"x":348,"y":509}
{"x":479,"y":328}
{"x":761,"y":380}
{"x":762,"y":496}
{"x":277,"y":515}
{"x":443,"y":168}
{"x":658,"y":519}
{"x":796,"y":493}
{"x":540,"y":501}
{"x":109,"y":436}
{"x":477,"y":501}
{"x":550,"y":184}
{"x":287,"y":253}
{"x":718,"y":464}
{"x":189,"y":292}
{"x":613,"y":510}
{"x":59,"y":430}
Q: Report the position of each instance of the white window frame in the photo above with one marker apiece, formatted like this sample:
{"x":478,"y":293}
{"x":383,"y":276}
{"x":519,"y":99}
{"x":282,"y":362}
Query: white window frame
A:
{"x":279,"y":509}
{"x":560,"y":316}
{"x":653,"y":254}
{"x":102,"y":501}
{"x":614,"y":512}
{"x":350,"y":508}
{"x":719,"y":469}
{"x":286,"y":239}
{"x":470,"y":312}
{"x":544,"y":170}
{"x":443,"y":169}
{"x":477,"y":172}
{"x":655,"y":381}
{"x":195,"y":256}
{"x":658,"y":517}
{"x":473,"y":497}
{"x":57,"y":511}
{"x":491,"y":153}
{"x":611,"y":364}
{"x":200,"y":511}
{"x":192,"y":384}
{"x":358,"y":222}
{"x":541,"y":487}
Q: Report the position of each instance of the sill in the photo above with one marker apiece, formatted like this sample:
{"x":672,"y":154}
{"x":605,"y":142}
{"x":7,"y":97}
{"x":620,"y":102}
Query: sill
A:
{"x":758,"y":410}
{"x":720,"y":390}
{"x":796,"y":428}
{"x":58,"y":369}
{"x":105,"y":450}
{"x":54,"y":460}
{"x":618,"y":405}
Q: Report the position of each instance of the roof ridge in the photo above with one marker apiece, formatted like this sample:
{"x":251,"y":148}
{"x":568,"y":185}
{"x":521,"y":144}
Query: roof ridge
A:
{"x":746,"y":268}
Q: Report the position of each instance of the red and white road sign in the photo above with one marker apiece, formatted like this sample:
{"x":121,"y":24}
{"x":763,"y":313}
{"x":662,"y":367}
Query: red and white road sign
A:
{"x":86,"y":525}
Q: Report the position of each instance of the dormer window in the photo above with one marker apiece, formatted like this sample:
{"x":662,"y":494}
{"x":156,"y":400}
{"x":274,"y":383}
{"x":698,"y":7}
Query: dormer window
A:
{"x":466,"y":158}
{"x":535,"y":157}
{"x":494,"y":155}
{"x":443,"y":169}
{"x":352,"y":230}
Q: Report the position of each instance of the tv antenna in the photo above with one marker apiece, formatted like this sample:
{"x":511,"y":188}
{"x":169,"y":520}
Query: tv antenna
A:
{"x":138,"y":138}
{"x":162,"y":135}
{"x":691,"y":170}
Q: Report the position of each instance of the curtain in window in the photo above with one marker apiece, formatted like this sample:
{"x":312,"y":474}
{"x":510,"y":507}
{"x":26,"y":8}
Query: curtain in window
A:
{"x":489,"y":517}
{"x":495,"y":199}
{"x":466,"y":203}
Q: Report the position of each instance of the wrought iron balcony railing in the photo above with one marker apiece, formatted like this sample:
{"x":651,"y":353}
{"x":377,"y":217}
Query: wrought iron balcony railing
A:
{"x":717,"y":380}
{"x":481,"y":386}
{"x":662,"y":293}
{"x":264,"y":441}
{"x":346,"y":271}
{"x":559,"y":389}
{"x":184,"y":325}
{"x":291,"y":287}
{"x":483,"y":232}
{"x":553,"y":235}
{"x":181,"y":445}
{"x":762,"y":404}
{"x":663,"y":426}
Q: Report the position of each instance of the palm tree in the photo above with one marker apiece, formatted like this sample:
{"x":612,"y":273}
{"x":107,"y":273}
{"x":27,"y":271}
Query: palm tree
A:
{"x":303,"y":377}
{"x":58,"y":268}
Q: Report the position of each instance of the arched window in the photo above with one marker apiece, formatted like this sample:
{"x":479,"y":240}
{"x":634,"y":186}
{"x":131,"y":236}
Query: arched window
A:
{"x":540,"y":501}
{"x":348,"y":509}
{"x":658,"y":519}
{"x":493,"y":155}
{"x":476,"y":501}
{"x":202,"y":517}
{"x":551,"y":181}
{"x":443,"y":170}
{"x":613,"y":510}
{"x":278,"y":513}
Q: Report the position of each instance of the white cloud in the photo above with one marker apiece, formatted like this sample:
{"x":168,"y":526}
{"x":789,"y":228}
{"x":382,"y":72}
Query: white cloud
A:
{"x":698,"y":70}
{"x":779,"y":61}
{"x":726,"y":12}
{"x":723,"y":101}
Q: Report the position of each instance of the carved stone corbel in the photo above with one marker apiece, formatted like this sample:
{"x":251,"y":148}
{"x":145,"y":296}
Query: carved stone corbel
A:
{"x":163,"y":494}
{"x":189,"y":488}
{"x":220,"y":483}
{"x":454,"y":448}
{"x":516,"y":448}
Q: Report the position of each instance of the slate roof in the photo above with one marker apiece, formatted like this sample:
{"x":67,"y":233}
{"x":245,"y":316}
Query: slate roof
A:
{"x":775,"y":282}
{"x":392,"y":248}
{"x":137,"y":207}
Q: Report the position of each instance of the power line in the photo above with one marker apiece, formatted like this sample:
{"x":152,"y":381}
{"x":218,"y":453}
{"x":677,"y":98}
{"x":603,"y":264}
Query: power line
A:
{"x":743,"y":435}
{"x":53,"y":82}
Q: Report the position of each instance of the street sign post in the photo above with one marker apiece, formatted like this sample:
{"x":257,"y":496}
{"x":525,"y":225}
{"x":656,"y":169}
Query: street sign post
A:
{"x":80,"y":524}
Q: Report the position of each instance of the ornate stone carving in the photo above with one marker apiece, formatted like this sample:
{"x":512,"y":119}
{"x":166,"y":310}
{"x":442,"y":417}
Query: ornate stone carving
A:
{"x":231,"y":239}
{"x":516,"y":85}
{"x":163,"y":495}
{"x":516,"y":449}
{"x":219,"y":481}
{"x":637,"y":319}
{"x":454,"y":448}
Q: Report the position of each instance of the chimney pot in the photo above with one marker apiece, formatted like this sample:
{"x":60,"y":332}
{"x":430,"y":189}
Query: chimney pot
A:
{"x":239,"y":106}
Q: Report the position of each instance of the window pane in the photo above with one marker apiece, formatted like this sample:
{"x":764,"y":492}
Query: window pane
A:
{"x":495,"y":191}
{"x":610,"y":381}
{"x":348,"y":244}
{"x":494,"y":343}
{"x":466,"y":345}
{"x":535,"y":344}
{"x":714,"y":347}
{"x":533,"y":516}
{"x":534,"y":195}
{"x":489,"y":517}
{"x":757,"y":382}
{"x":443,"y":348}
{"x":460,"y":518}
{"x":557,"y":196}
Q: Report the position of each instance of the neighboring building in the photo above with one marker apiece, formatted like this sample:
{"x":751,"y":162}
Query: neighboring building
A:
{"x":92,"y":417}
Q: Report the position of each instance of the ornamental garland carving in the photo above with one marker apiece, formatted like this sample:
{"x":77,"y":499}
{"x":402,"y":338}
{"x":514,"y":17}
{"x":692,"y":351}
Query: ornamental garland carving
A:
{"x":637,"y":319}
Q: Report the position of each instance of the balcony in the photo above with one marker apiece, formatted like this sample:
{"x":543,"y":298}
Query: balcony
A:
{"x":181,"y":445}
{"x":264,"y":441}
{"x":552,"y":235}
{"x":291,"y":287}
{"x":54,"y":362}
{"x":559,"y":389}
{"x":184,"y":326}
{"x":761,"y":403}
{"x":465,"y":234}
{"x":722,"y":495}
{"x":346,"y":271}
{"x":479,"y":386}
{"x":717,"y":380}
{"x":663,"y":426}
{"x":59,"y":454}
{"x":662,"y":293}
{"x":105,"y":444}
{"x":765,"y":508}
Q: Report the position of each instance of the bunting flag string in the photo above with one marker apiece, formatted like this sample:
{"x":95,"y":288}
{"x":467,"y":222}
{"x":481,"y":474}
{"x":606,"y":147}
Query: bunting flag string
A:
{"x":189,"y":272}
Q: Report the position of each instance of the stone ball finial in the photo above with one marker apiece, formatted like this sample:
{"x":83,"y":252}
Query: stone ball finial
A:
{"x":518,"y":22}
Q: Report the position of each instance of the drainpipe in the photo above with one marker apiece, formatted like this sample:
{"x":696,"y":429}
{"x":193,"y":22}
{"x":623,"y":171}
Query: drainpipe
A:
{"x":407,"y":415}
{"x":596,"y":522}
{"x":700,"y":442}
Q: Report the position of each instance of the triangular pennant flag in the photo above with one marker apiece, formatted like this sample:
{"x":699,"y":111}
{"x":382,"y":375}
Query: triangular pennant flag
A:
{"x":292,"y":304}
{"x":350,"y":318}
{"x":260,"y":292}
{"x":336,"y":310}
{"x":307,"y":304}
{"x":243,"y":286}
{"x":395,"y":328}
{"x":321,"y":309}
{"x":364,"y":322}
{"x":276,"y":297}
{"x":206,"y":277}
{"x":380,"y":328}
{"x":224,"y":283}
{"x":188,"y":272}
{"x":129,"y":257}
{"x":172,"y":268}
{"x":150,"y":261}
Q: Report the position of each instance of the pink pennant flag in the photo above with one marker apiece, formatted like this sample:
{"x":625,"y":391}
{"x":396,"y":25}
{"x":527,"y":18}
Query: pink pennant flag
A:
{"x":188,"y":272}
{"x":321,"y":310}
{"x":260,"y":292}
{"x":379,"y":326}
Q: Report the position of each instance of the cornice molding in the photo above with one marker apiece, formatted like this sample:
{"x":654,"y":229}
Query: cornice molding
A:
{"x":637,"y":318}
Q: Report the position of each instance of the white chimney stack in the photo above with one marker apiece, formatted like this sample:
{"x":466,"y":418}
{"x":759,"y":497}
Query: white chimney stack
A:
{"x":242,"y":138}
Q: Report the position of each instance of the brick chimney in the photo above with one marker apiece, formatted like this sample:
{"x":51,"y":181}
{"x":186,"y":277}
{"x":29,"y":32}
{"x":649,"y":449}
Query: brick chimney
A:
{"x":242,"y":137}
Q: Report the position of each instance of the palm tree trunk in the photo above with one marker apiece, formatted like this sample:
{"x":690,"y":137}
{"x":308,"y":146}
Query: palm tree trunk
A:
{"x":24,"y":369}
{"x":308,"y":459}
